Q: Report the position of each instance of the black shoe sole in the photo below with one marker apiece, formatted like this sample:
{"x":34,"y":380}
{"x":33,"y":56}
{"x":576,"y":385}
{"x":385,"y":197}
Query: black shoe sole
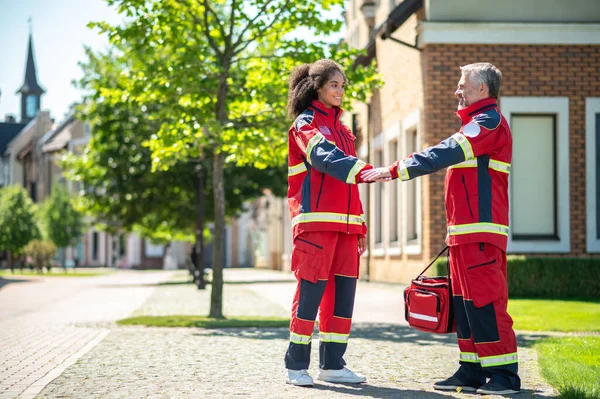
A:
{"x":504,"y":392}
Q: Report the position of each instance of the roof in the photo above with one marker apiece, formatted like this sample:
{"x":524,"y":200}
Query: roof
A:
{"x":31,"y":84}
{"x":58,"y":138}
{"x":8,"y":131}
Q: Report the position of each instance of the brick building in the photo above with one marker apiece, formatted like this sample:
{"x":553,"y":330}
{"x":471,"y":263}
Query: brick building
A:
{"x":549,"y":53}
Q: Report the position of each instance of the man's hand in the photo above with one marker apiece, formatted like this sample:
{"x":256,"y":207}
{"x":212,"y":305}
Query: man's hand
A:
{"x":378,"y":174}
{"x":362,"y":245}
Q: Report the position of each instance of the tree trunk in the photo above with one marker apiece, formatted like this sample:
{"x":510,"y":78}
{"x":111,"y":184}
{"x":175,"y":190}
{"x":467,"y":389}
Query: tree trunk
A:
{"x":10,"y":261}
{"x":199,"y":261}
{"x":216,"y":299}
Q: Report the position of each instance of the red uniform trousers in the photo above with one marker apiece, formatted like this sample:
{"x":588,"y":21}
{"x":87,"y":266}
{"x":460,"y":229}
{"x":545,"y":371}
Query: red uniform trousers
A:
{"x":486,"y":340}
{"x":326,"y":266}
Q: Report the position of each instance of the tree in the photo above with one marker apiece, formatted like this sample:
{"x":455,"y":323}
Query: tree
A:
{"x":17,"y":221}
{"x":41,"y":253}
{"x":218,"y":70}
{"x":60,"y":222}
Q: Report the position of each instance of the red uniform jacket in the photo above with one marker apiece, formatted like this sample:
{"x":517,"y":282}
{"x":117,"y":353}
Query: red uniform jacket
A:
{"x":322,"y":174}
{"x":478,"y":159}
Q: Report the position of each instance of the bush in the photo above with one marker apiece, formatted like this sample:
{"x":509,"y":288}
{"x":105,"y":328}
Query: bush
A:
{"x":549,"y":277}
{"x":41,"y":253}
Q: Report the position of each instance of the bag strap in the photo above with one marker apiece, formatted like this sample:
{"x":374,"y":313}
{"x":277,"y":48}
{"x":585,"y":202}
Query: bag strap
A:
{"x":433,"y":261}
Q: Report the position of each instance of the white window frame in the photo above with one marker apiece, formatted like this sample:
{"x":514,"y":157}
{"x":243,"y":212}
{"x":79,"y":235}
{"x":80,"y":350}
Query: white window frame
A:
{"x":378,"y":249}
{"x":592,"y":107}
{"x":560,"y":107}
{"x":391,"y":134}
{"x":412,"y":122}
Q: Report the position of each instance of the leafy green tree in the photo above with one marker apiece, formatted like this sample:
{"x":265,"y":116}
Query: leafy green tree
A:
{"x":218,"y":70}
{"x":41,"y":253}
{"x":61,"y":223}
{"x":18,"y":223}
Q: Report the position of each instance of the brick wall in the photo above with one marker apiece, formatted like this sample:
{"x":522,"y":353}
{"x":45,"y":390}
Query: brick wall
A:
{"x":571,"y":71}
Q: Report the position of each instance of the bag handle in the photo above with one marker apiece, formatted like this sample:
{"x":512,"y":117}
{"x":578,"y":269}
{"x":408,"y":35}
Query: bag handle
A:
{"x":433,"y":261}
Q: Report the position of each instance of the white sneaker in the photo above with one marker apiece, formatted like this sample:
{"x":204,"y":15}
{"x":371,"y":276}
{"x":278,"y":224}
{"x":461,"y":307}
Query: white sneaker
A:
{"x":300,"y":378}
{"x":343,"y":375}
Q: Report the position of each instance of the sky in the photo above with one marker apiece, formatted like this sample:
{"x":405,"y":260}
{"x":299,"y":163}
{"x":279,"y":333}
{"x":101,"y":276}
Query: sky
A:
{"x":59,"y":35}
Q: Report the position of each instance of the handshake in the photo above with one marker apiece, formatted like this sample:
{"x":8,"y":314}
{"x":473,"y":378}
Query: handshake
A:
{"x":376,"y":175}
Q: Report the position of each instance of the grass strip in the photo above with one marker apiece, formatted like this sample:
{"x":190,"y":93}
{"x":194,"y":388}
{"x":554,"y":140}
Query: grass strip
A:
{"x":555,"y":315}
{"x":206,"y":322}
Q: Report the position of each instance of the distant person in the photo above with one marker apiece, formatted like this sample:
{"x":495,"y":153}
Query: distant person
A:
{"x":478,"y":159}
{"x":328,"y":224}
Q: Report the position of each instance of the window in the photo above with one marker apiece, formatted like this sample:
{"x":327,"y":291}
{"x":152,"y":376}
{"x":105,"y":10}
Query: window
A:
{"x":393,"y":204}
{"x":31,"y":105}
{"x":412,"y":212}
{"x":592,"y":143}
{"x":534,"y":216}
{"x":95,"y":245}
{"x":539,"y":177}
{"x":378,"y":202}
{"x":412,"y":230}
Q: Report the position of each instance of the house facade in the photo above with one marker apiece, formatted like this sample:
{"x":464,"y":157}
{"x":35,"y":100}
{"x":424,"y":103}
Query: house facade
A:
{"x":549,"y":54}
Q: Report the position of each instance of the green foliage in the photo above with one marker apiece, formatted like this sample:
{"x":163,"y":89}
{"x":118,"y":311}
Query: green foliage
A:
{"x":17,"y":219}
{"x":206,"y":322}
{"x":41,"y":253}
{"x":554,"y":315}
{"x":60,"y":222}
{"x":572,"y":365}
{"x":549,"y":277}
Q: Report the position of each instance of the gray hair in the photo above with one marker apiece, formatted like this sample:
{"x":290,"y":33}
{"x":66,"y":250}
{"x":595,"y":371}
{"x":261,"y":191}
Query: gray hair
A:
{"x":484,"y":73}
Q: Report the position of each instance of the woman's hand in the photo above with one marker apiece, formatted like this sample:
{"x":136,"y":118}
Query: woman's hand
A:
{"x":377,"y":174}
{"x":362,"y":245}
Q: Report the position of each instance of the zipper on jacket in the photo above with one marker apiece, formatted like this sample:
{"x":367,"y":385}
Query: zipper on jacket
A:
{"x":320,"y":189}
{"x":308,"y":242}
{"x":467,"y":194}
{"x":482,"y":264}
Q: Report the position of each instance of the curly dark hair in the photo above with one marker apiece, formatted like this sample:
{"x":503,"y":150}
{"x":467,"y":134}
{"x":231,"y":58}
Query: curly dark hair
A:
{"x":304,"y":82}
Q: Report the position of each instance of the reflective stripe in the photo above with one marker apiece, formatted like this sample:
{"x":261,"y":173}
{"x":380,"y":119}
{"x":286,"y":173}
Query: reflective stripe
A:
{"x":469,"y":357}
{"x":495,"y":165}
{"x":464,"y":144}
{"x":402,"y":171}
{"x":334,"y":337}
{"x":296,"y":169}
{"x":478,"y":228}
{"x":354,"y":171}
{"x":490,"y":361}
{"x":422,"y":316}
{"x":300,"y":339}
{"x":328,"y":217}
{"x":311,"y":144}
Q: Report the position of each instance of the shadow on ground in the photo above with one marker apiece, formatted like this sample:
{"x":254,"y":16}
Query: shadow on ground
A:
{"x":6,"y":281}
{"x":373,"y":391}
{"x":370,"y":331}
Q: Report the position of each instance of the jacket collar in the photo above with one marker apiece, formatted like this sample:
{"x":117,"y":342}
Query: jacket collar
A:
{"x":330,"y":114}
{"x":480,"y":106}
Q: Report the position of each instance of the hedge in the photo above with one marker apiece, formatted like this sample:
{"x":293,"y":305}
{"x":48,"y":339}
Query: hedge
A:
{"x":549,"y":277}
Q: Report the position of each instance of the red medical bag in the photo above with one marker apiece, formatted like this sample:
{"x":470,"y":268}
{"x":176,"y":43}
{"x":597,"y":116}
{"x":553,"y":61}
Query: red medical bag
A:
{"x":428,"y":302}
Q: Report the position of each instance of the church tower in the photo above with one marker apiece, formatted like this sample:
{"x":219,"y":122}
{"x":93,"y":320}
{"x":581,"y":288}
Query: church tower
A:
{"x":31,"y":91}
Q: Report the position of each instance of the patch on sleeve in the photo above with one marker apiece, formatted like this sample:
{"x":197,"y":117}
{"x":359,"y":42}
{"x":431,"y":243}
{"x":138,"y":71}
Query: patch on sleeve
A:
{"x":325,"y":130}
{"x":303,"y":119}
{"x":471,"y":129}
{"x":489,"y":119}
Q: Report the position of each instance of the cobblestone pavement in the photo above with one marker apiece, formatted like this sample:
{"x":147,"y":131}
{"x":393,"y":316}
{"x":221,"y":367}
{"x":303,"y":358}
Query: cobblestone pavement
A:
{"x":47,"y":324}
{"x":137,"y":362}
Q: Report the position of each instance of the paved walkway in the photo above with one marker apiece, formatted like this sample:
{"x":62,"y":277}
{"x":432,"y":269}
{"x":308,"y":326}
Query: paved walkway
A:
{"x":137,"y":362}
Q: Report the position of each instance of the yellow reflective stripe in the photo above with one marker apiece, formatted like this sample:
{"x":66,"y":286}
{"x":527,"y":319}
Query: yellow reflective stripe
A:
{"x":498,"y":166}
{"x":464,"y":144}
{"x":402,"y":171}
{"x":490,"y":361}
{"x":296,"y":169}
{"x":354,"y":171}
{"x":469,"y":357}
{"x":494,"y":228}
{"x":311,"y":144}
{"x":300,"y":339}
{"x":327,"y":217}
{"x":334,"y":337}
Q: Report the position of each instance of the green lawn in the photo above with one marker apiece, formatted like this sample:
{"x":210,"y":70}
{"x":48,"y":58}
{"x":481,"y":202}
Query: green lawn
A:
{"x":554,"y":315}
{"x":57,"y":272}
{"x":206,"y":322}
{"x":572,"y":365}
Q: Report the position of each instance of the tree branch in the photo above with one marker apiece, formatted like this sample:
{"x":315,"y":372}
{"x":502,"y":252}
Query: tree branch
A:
{"x":204,"y":25}
{"x":251,"y":23}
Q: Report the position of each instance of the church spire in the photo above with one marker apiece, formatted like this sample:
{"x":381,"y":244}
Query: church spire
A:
{"x":31,"y":91}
